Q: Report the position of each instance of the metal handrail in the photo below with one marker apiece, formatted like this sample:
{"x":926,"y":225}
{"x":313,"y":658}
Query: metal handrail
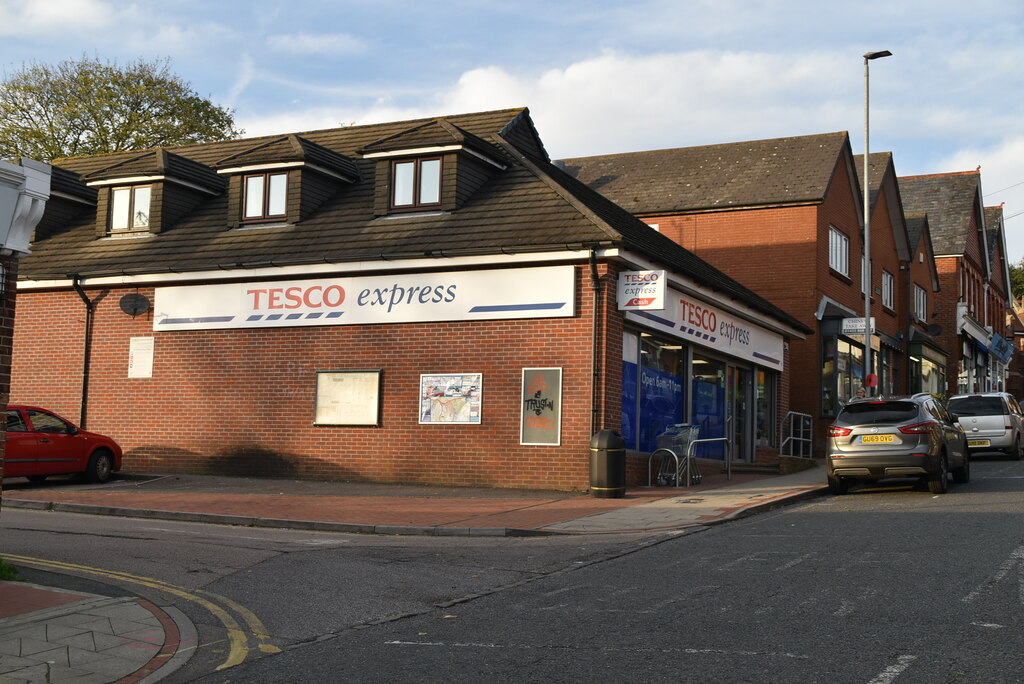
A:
{"x":805,"y":436}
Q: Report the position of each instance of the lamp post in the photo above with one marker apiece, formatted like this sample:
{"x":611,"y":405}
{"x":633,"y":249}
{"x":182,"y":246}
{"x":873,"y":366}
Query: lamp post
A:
{"x":866,"y":274}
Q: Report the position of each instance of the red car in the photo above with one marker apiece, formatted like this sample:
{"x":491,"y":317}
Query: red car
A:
{"x":41,"y":443}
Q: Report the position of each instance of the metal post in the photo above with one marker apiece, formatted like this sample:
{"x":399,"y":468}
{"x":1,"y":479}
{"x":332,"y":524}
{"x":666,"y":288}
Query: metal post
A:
{"x":866,"y":270}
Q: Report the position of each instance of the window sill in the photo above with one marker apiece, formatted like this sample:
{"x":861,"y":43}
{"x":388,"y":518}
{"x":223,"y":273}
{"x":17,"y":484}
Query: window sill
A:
{"x":407,"y":214}
{"x":263,"y":226}
{"x":839,"y":276}
{"x":129,"y":235}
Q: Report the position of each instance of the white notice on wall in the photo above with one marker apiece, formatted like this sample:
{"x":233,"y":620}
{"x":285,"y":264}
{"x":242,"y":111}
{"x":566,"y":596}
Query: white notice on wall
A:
{"x":140,"y":357}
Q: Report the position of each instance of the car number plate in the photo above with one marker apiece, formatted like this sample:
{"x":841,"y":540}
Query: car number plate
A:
{"x":877,"y":439}
{"x":977,"y":442}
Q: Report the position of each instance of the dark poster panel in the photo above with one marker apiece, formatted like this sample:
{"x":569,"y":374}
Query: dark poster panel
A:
{"x":542,"y":406}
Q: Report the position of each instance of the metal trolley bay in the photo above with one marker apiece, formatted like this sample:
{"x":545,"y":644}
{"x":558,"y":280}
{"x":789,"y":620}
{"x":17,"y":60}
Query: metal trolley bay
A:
{"x":677,"y":464}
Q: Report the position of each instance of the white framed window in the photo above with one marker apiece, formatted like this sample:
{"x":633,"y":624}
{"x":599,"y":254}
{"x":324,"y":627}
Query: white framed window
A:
{"x":920,"y":303}
{"x":129,"y":208}
{"x":838,"y":251}
{"x":888,"y":289}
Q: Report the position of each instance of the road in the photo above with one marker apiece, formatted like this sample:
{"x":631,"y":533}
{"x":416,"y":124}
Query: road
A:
{"x":884,"y":585}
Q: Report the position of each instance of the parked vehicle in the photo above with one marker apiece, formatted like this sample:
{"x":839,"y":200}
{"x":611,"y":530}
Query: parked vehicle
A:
{"x":40,"y":443}
{"x":992,"y":421}
{"x":896,"y":437}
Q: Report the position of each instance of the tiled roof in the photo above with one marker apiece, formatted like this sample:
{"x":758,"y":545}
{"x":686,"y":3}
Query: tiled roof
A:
{"x":993,"y":232}
{"x":435,"y":133}
{"x":157,"y":162}
{"x":916,"y":223}
{"x":879,"y":163}
{"x":715,"y":177}
{"x":288,"y":148}
{"x":950,"y":200}
{"x":529,"y":206}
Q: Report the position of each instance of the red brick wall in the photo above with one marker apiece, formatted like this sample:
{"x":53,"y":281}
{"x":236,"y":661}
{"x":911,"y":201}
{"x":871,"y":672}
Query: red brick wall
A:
{"x":242,"y":401}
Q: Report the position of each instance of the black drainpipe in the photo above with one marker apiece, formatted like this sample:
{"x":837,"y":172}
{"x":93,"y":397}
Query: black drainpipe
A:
{"x":90,"y":310}
{"x":595,"y":281}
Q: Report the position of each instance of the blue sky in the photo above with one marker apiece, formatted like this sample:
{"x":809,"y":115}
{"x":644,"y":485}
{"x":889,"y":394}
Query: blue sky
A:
{"x":598,"y":76}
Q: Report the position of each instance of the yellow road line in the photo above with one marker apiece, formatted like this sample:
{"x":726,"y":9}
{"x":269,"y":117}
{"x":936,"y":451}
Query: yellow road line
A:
{"x":236,"y":636}
{"x":255,"y":624}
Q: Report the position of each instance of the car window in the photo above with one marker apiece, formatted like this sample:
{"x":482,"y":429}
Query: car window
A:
{"x":15,"y":423}
{"x":45,"y":422}
{"x":860,"y":413}
{"x":1014,"y":406}
{"x":976,"y":406}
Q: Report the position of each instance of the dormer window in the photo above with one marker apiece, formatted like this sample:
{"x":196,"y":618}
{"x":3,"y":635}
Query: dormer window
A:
{"x":265,"y":196}
{"x":416,"y":183}
{"x":129,"y":208}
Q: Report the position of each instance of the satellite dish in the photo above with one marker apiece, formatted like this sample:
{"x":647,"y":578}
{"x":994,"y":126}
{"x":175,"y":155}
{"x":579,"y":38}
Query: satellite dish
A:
{"x":934,"y":329}
{"x":134,"y":304}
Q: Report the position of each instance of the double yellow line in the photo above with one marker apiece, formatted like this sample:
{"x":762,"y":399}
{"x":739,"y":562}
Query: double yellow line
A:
{"x":237,"y":636}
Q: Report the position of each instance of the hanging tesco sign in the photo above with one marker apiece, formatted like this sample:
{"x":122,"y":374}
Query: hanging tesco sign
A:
{"x":640,"y":290}
{"x":544,"y":292}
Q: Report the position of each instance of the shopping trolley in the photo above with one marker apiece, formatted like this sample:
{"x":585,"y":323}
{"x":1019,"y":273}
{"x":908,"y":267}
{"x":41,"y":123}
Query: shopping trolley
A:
{"x":676,"y":464}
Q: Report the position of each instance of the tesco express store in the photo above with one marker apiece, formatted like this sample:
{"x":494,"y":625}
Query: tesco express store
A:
{"x":684,"y":361}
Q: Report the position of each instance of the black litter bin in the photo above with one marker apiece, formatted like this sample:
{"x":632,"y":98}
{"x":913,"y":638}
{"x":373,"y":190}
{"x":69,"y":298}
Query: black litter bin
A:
{"x":607,"y":465}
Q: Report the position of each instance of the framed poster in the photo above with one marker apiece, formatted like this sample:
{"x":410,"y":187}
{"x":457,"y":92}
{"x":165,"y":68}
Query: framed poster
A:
{"x":451,"y":398}
{"x":541,"y":418}
{"x":348,"y":397}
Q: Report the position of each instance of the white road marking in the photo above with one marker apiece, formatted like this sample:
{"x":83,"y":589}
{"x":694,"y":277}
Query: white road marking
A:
{"x":1016,"y":559}
{"x":893,"y":671}
{"x":688,"y":651}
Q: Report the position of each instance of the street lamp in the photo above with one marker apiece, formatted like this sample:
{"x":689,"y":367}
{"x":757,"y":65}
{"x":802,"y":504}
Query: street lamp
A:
{"x":866,"y":271}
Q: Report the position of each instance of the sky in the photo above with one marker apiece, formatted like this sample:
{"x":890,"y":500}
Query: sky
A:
{"x":599,"y":77}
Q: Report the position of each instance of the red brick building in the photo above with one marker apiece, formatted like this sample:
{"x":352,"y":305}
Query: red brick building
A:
{"x":426,"y":301}
{"x":785,"y":218}
{"x":970,"y":256}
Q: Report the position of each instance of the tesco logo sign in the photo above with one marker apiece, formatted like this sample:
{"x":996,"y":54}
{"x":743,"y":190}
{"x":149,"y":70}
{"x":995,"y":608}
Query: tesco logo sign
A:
{"x":313,"y":297}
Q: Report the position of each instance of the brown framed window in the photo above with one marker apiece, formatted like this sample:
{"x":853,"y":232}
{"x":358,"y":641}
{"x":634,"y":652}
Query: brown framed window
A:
{"x":416,"y":183}
{"x":129,"y":208}
{"x":265,"y":196}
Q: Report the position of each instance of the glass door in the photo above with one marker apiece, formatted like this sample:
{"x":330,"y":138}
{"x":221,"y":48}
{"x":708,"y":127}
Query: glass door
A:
{"x":739,"y":417}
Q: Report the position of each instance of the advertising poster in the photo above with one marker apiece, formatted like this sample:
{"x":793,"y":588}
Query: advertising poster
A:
{"x":451,"y":398}
{"x":541,"y":420}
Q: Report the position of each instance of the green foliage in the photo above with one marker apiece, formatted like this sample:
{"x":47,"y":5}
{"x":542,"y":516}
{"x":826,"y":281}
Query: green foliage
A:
{"x":87,"y":106}
{"x":1017,"y":279}
{"x":7,"y":571}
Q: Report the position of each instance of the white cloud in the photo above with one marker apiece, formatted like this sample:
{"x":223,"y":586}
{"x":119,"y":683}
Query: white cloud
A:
{"x":53,"y":17}
{"x":1002,"y":180}
{"x":317,"y":44}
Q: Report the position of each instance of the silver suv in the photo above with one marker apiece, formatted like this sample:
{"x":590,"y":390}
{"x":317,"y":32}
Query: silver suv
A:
{"x":896,"y":437}
{"x":993,"y":421}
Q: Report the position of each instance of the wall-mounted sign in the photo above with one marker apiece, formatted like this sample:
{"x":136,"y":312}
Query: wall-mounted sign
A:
{"x":541,"y":419}
{"x":698,"y":322}
{"x":140,"y":357}
{"x":350,"y":397}
{"x":451,"y":398}
{"x":855,"y":326}
{"x":641,"y":290}
{"x":542,"y":292}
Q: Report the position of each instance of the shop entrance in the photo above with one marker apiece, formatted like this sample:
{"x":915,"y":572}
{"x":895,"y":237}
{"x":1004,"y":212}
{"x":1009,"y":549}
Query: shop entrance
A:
{"x":721,"y":407}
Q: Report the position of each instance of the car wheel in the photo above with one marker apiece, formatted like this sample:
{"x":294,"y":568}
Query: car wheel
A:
{"x":101,"y":465}
{"x":938,"y":482}
{"x":1014,"y":451}
{"x":838,"y":485}
{"x":963,"y":473}
{"x":36,"y":478}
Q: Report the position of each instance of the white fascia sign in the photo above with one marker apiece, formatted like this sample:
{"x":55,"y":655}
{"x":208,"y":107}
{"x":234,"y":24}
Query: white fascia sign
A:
{"x":640,"y":290}
{"x":542,"y":292}
{"x":698,"y":322}
{"x":855,"y":326}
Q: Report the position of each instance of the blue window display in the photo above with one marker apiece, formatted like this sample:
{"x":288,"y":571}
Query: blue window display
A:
{"x":652,"y":389}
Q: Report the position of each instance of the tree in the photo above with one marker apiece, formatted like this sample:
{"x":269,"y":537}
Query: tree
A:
{"x":1017,"y":279}
{"x":87,"y":106}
